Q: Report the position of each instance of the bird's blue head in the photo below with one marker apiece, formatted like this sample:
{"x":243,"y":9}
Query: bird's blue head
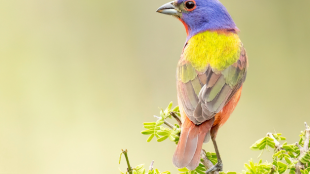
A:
{"x":200,"y":15}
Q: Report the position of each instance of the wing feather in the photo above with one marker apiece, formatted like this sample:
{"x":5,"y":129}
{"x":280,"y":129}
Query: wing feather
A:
{"x":204,"y":94}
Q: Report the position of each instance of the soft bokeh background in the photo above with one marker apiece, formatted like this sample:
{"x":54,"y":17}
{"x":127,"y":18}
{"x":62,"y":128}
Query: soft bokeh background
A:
{"x":78,"y":78}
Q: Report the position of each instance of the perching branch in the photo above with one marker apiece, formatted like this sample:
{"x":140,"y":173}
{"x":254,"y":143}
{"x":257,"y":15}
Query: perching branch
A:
{"x":206,"y":162}
{"x":286,"y":157}
{"x":129,"y":169}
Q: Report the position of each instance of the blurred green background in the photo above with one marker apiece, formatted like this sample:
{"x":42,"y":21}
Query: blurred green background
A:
{"x":78,"y":79}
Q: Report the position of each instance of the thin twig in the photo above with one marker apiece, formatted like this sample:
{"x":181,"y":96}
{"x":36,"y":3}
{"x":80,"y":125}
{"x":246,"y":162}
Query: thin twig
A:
{"x":276,"y":142}
{"x":166,"y":122}
{"x":129,"y":169}
{"x":174,"y":115}
{"x":151,"y":166}
{"x":306,"y":144}
{"x":206,"y":162}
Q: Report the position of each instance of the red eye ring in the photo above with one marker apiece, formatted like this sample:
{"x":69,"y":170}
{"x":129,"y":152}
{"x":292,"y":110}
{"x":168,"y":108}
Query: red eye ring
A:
{"x":189,"y":5}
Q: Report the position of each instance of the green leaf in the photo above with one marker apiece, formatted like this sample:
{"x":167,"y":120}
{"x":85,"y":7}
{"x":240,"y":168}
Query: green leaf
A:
{"x":212,"y":157}
{"x":302,"y":138}
{"x":155,"y":129}
{"x":166,"y":113}
{"x":176,"y":109}
{"x":152,"y":129}
{"x":263,"y":143}
{"x":289,"y":147}
{"x":183,"y":169}
{"x":281,"y":167}
{"x":164,"y":132}
{"x":305,"y":158}
{"x":147,"y":132}
{"x":281,"y":154}
{"x":278,"y":136}
{"x":162,"y":139}
{"x":166,"y":172}
{"x":257,"y":168}
{"x":120,"y":157}
{"x":168,"y":109}
{"x":292,"y":171}
{"x":288,"y":161}
{"x":121,"y":171}
{"x":149,"y":126}
{"x":160,"y":122}
{"x":199,"y":170}
{"x":150,"y":138}
{"x":149,"y":123}
{"x":139,"y":169}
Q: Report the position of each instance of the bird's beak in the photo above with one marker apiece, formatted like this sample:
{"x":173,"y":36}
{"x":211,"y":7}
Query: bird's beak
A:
{"x":169,"y":9}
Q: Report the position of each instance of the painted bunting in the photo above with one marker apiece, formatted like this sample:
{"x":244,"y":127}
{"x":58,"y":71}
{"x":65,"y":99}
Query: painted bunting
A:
{"x":210,"y":75}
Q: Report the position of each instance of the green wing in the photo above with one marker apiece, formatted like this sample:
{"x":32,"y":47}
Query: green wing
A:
{"x":203,"y":94}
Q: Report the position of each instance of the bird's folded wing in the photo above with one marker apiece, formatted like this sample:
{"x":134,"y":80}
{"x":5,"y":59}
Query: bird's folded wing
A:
{"x":203,"y":94}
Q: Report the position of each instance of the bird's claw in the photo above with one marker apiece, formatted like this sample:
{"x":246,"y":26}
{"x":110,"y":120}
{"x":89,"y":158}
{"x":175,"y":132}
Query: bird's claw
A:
{"x":217,"y":167}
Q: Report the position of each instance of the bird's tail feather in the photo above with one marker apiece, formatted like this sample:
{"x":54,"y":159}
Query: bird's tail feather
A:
{"x":189,"y":147}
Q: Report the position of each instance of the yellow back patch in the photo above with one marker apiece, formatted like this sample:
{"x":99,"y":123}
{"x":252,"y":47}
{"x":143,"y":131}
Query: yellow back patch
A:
{"x":210,"y":47}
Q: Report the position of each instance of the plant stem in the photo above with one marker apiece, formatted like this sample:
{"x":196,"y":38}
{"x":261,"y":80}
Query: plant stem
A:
{"x":168,"y":124}
{"x":176,"y":117}
{"x":129,"y":169}
{"x":151,"y":166}
{"x":206,"y":162}
{"x":272,"y":171}
{"x":165,"y":122}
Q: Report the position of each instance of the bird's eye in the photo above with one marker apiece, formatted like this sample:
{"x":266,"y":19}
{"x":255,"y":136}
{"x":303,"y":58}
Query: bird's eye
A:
{"x":190,"y":5}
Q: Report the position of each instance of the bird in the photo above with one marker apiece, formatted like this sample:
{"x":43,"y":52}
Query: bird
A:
{"x":210,"y":74}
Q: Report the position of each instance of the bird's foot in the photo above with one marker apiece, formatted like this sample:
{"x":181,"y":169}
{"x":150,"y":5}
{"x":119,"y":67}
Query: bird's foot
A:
{"x":217,"y":167}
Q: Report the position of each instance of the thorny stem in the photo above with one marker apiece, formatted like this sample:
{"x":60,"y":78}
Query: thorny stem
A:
{"x":129,"y":169}
{"x":303,"y":149}
{"x":165,"y":122}
{"x":277,"y":144}
{"x":206,"y":162}
{"x":174,"y":115}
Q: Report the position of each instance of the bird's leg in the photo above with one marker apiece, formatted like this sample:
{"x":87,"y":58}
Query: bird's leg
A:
{"x":219,"y":165}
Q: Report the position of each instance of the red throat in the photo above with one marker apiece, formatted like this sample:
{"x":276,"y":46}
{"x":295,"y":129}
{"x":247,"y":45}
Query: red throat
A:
{"x":185,"y":25}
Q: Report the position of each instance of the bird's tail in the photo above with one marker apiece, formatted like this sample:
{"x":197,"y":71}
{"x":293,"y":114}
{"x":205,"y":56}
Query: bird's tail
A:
{"x":189,"y":147}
